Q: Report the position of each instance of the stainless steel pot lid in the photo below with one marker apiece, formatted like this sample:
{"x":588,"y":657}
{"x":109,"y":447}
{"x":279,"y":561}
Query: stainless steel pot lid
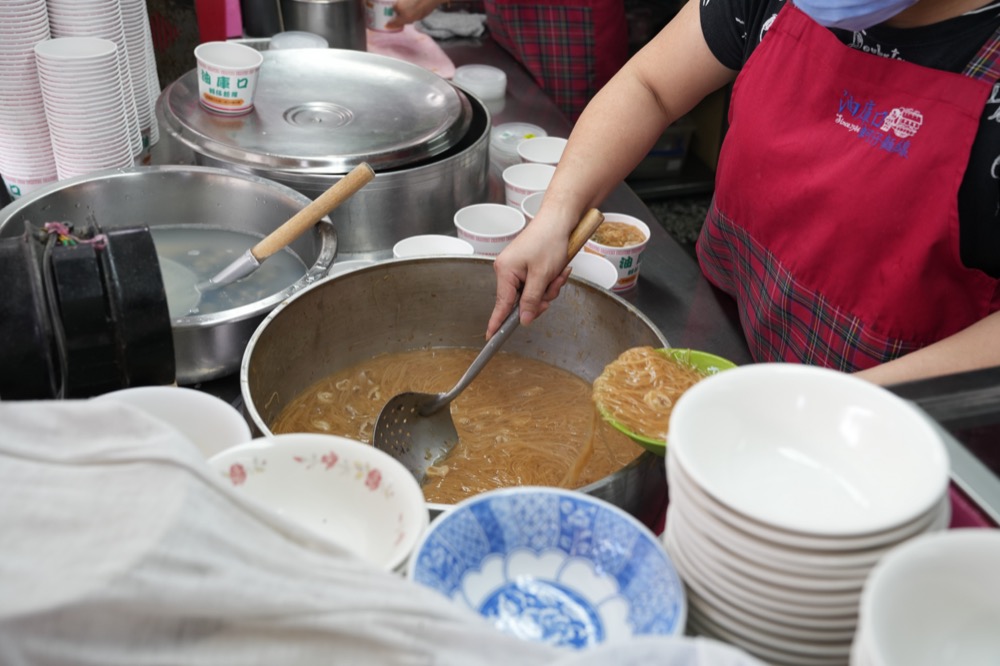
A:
{"x":326,"y":111}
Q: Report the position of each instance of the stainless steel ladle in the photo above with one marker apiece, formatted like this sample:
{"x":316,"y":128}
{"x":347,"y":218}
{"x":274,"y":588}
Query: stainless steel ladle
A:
{"x":416,"y":428}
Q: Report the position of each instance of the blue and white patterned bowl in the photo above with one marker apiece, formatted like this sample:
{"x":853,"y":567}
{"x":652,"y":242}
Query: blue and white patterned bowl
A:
{"x":554,"y":566}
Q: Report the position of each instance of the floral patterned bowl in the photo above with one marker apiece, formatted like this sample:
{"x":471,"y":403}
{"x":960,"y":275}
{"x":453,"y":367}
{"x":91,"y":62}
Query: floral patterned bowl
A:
{"x":343,"y":490}
{"x":554,"y":566}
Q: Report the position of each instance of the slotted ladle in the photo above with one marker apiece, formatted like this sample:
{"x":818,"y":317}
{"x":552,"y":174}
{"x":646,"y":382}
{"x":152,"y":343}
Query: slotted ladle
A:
{"x":417,"y":428}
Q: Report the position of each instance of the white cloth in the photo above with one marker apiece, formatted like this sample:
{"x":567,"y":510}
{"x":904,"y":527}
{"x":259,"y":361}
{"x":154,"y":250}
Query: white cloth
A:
{"x":445,"y":25}
{"x":119,"y":546}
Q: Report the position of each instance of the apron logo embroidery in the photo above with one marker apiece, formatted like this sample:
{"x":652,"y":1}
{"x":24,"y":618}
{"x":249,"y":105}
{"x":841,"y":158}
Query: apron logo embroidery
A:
{"x":888,"y":130}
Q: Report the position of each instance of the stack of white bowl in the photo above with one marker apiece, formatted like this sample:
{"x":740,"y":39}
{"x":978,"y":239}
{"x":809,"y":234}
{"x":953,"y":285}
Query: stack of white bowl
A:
{"x":788,"y":483}
{"x":26,"y":160}
{"x":103,"y":19}
{"x":85,"y":104}
{"x":934,"y":600}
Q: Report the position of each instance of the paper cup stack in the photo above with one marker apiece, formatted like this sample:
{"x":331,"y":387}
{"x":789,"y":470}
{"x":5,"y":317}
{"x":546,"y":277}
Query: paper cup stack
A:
{"x":142,"y":67}
{"x":85,"y":104}
{"x":26,"y":160}
{"x":788,"y":484}
{"x":103,"y":19}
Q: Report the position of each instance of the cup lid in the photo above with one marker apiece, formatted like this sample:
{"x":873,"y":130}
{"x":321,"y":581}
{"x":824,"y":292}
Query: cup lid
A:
{"x":487,"y":83}
{"x":506,"y":137}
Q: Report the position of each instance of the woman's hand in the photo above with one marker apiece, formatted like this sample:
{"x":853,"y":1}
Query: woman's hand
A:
{"x":531,"y":269}
{"x":410,"y":11}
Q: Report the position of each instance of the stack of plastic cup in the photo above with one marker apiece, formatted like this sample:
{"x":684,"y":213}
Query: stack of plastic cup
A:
{"x":139,"y":40}
{"x":103,"y":19}
{"x":26,"y":160}
{"x":85,"y":104}
{"x":152,"y":83}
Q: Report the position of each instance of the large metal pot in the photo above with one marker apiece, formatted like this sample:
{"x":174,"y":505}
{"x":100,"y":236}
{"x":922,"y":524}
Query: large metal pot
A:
{"x":341,"y":22}
{"x":205,"y":346}
{"x":320,"y":112}
{"x":407,"y":304}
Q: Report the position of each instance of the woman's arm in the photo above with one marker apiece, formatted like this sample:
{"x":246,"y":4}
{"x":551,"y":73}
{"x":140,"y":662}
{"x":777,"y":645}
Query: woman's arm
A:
{"x":662,"y":82}
{"x":973,"y":348}
{"x":411,"y":11}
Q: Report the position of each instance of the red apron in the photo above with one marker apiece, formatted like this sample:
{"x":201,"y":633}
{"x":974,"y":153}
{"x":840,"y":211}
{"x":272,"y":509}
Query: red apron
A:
{"x":835,"y":219}
{"x":570,"y":47}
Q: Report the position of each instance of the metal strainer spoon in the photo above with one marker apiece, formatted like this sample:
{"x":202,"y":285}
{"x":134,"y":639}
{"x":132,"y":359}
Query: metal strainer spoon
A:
{"x":416,"y":428}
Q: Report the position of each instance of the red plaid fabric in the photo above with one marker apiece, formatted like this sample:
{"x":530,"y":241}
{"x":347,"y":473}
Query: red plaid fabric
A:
{"x":571,"y":48}
{"x":782,"y":320}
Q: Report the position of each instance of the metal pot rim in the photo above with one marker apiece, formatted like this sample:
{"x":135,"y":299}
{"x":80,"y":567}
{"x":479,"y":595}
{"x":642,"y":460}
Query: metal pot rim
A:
{"x":327,"y":124}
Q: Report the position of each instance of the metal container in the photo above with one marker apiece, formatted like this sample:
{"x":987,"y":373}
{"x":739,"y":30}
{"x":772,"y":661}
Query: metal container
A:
{"x":205,"y":346}
{"x":318,"y":113}
{"x":341,"y":22}
{"x":407,"y":304}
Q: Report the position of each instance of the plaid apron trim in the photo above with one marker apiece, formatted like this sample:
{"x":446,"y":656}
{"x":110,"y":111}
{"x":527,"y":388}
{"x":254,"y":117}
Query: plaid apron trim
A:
{"x":783,"y":320}
{"x":986,"y":65}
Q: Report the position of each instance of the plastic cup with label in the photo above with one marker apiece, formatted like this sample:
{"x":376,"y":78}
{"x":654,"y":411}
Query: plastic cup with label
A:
{"x":520,"y":180}
{"x":227,"y":76}
{"x":378,"y":13}
{"x":488,"y":227}
{"x":621,"y":240}
{"x":531,"y":204}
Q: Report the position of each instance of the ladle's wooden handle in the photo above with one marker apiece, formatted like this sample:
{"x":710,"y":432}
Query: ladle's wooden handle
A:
{"x":584,"y":229}
{"x":308,"y":216}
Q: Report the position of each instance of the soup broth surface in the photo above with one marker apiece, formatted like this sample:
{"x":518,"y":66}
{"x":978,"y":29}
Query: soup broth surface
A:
{"x":520,"y":422}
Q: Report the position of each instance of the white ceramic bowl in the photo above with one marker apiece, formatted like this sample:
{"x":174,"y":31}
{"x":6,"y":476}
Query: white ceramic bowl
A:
{"x":809,"y":449}
{"x":551,"y":565}
{"x":935,"y":600}
{"x":210,"y":423}
{"x":344,"y":491}
{"x":791,"y":543}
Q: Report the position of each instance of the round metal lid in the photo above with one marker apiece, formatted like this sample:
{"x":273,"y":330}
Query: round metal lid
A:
{"x":326,"y":111}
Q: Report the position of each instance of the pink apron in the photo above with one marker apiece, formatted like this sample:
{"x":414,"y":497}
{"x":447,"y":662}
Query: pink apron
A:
{"x":835,"y":220}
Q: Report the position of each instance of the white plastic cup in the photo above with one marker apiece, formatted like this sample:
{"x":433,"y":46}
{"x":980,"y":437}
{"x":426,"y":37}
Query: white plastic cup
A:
{"x":542,"y":149}
{"x":626,"y":259}
{"x":594,"y":268}
{"x":488,"y":227}
{"x":531,"y":204}
{"x":428,"y":245}
{"x":378,"y":13}
{"x":520,"y":180}
{"x":227,"y":76}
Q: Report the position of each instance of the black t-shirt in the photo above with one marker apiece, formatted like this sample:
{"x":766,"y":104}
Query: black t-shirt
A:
{"x":733,"y":29}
